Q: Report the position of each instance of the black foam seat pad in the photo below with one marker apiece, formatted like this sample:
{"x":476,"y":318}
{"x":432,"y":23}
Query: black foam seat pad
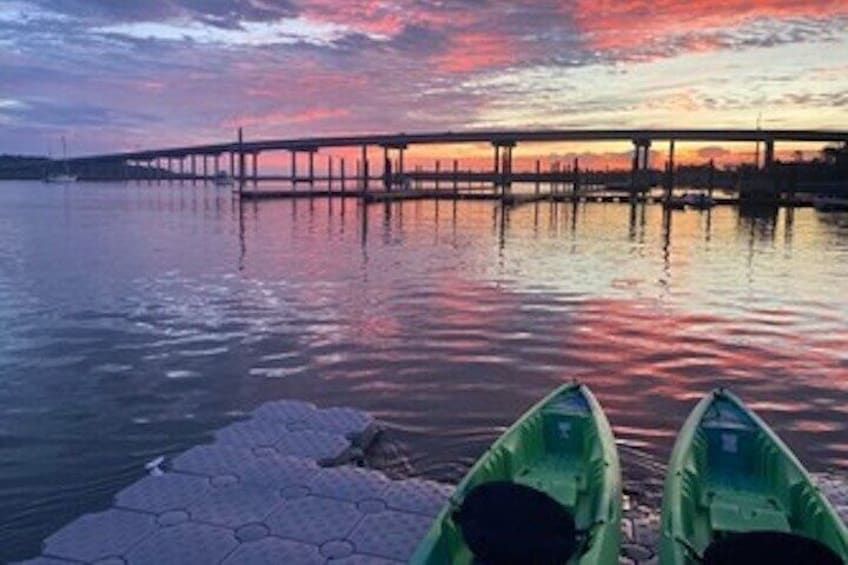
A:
{"x":768,"y":548}
{"x":505,"y":523}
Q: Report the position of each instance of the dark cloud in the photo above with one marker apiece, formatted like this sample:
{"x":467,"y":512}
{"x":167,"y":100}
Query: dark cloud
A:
{"x":51,"y":114}
{"x":223,"y":13}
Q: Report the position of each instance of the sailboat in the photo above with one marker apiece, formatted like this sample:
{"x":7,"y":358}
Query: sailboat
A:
{"x":65,"y":176}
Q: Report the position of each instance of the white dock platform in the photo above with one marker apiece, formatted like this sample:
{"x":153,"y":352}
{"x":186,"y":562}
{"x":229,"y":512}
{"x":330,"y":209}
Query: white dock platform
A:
{"x":261,"y":494}
{"x":278,"y":488}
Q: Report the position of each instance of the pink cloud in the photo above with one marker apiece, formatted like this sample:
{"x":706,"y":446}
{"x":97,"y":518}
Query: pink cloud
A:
{"x":472,"y":51}
{"x":287,"y":118}
{"x":629,"y":24}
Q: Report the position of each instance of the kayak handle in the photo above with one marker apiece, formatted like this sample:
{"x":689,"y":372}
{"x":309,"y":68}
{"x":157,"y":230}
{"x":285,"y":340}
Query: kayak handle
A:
{"x":587,"y":534}
{"x":689,"y":549}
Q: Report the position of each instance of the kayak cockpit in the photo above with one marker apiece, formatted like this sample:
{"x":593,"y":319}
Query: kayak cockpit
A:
{"x":558,"y":465}
{"x":731,"y":478}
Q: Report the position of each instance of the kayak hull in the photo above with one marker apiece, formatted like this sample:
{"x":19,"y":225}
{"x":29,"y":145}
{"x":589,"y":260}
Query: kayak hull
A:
{"x":730,"y":474}
{"x":563,"y":447}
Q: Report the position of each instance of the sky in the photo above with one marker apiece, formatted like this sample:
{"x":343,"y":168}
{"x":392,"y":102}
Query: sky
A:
{"x":123,"y":75}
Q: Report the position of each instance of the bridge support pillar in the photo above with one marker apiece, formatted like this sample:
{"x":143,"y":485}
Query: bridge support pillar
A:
{"x":769,"y":155}
{"x":503,"y":165}
{"x":669,"y":174}
{"x":393,"y":177}
{"x":641,"y":165}
{"x":387,"y":169}
{"x":294,"y":168}
{"x":182,"y":169}
{"x":330,"y":173}
{"x":193,"y":169}
{"x":342,"y":174}
{"x":217,"y":164}
{"x":233,"y":166}
{"x":205,"y":169}
{"x":255,"y":168}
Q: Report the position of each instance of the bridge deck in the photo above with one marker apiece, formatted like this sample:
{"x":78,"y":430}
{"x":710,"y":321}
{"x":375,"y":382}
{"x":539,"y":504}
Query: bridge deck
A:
{"x":485,"y":136}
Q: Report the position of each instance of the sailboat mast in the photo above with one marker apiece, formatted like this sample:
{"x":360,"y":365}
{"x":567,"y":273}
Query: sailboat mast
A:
{"x":65,"y":155}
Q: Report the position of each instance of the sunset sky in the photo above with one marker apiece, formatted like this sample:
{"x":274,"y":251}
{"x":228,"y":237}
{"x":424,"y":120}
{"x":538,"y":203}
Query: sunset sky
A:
{"x":114,"y":75}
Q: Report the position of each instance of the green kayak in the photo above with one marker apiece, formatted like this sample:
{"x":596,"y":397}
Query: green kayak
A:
{"x":734,"y":493}
{"x":547,"y":491}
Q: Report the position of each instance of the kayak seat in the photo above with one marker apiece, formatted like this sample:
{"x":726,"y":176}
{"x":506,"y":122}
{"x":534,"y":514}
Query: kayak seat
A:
{"x":774,"y":548}
{"x":505,"y":523}
{"x":735,"y":511}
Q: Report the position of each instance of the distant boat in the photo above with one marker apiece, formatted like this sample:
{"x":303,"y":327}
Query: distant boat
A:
{"x":60,"y":179}
{"x":698,"y":200}
{"x":830,"y":203}
{"x":675,"y":203}
{"x":64,"y":177}
{"x":222,"y":179}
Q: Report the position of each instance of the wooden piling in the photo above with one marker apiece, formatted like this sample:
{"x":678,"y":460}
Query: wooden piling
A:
{"x":538,"y":173}
{"x":497,"y":169}
{"x":242,"y":164}
{"x":711,"y":180}
{"x":365,"y":169}
{"x":456,"y":176}
{"x":311,"y":170}
{"x":576,"y":176}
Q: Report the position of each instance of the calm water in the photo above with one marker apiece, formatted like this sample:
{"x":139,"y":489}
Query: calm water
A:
{"x":134,"y":320}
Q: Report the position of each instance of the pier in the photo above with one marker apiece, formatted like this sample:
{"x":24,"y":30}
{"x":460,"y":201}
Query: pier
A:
{"x":380,"y":166}
{"x":288,"y":485}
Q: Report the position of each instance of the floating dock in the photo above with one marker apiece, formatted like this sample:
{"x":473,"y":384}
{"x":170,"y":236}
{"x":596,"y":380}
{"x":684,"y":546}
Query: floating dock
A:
{"x":280,"y":487}
{"x":284,"y":487}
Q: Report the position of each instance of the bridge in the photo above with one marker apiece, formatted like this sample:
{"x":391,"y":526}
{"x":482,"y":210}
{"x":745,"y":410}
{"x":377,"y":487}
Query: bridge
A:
{"x":158,"y":162}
